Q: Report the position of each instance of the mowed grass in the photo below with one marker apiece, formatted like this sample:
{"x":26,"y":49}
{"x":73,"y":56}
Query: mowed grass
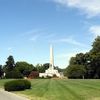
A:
{"x":62,"y":89}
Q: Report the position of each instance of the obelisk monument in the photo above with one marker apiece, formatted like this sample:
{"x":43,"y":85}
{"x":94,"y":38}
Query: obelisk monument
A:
{"x":51,"y":58}
{"x":50,"y":71}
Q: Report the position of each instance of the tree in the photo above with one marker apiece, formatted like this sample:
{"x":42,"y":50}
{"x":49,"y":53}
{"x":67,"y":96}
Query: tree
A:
{"x":10,"y":64}
{"x":76,"y":68}
{"x":72,"y":61}
{"x":59,"y":69}
{"x":95,"y":64}
{"x":13,"y":74}
{"x":79,"y":59}
{"x":90,"y":61}
{"x":10,"y":69}
{"x":95,"y":57}
{"x":76,"y":71}
{"x":38,"y":67}
{"x":96,"y":46}
{"x":41,"y":68}
{"x":45,"y":67}
{"x":1,"y":71}
{"x":24,"y":68}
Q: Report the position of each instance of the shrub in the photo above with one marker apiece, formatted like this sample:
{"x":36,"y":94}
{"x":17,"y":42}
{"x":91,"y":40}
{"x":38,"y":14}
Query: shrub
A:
{"x":34,"y":74}
{"x":17,"y":85}
{"x":27,"y":84}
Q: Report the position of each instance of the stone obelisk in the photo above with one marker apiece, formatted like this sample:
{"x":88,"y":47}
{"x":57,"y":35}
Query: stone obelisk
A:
{"x":51,"y":58}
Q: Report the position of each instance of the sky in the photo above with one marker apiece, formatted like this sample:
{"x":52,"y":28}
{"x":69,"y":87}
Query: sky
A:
{"x":28,"y":27}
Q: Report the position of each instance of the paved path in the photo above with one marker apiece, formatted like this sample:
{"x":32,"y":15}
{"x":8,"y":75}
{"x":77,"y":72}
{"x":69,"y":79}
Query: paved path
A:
{"x":4,"y":95}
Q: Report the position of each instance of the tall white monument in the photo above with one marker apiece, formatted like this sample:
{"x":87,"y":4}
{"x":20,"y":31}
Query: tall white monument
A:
{"x":50,"y":71}
{"x":51,"y":58}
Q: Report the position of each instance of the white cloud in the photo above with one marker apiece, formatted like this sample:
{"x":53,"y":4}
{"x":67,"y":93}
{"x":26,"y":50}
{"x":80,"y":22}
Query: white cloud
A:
{"x":72,"y":41}
{"x":95,"y":30}
{"x":44,"y":36}
{"x":89,"y":7}
{"x":9,"y":48}
{"x":33,"y":35}
{"x":34,"y":38}
{"x":30,"y":32}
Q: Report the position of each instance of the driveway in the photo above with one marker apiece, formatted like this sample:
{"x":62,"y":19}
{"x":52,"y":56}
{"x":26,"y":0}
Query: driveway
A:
{"x":4,"y":95}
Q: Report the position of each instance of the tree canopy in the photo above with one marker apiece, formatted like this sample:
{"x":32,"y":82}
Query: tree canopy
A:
{"x":87,"y":64}
{"x":24,"y":68}
{"x":10,"y":63}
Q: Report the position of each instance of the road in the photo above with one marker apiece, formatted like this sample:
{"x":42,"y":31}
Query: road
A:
{"x":4,"y":95}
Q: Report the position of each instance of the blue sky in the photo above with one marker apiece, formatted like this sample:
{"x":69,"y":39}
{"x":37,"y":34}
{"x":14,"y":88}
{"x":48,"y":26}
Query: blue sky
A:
{"x":28,"y":27}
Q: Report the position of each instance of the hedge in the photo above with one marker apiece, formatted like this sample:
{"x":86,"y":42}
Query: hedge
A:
{"x":17,"y":85}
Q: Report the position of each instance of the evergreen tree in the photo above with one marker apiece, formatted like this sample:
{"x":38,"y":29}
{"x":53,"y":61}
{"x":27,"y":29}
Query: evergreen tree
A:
{"x":10,"y":64}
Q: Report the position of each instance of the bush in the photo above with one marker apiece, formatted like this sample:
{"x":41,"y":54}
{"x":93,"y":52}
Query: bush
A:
{"x":27,"y":84}
{"x":17,"y":85}
{"x":33,"y":74}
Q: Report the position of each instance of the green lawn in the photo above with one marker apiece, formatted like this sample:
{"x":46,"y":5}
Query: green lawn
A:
{"x":56,"y":89}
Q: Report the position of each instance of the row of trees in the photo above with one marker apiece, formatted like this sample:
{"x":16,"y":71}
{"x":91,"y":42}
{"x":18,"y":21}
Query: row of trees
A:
{"x":85,"y":65}
{"x":21,"y":69}
{"x":81,"y":66}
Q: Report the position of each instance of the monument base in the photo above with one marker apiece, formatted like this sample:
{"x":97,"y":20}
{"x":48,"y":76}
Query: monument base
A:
{"x":50,"y":72}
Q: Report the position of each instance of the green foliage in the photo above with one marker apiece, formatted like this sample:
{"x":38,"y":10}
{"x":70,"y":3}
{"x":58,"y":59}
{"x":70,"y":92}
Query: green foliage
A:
{"x":93,"y":66}
{"x":1,"y":71}
{"x":96,"y":45}
{"x":59,"y":69}
{"x":10,"y":64}
{"x":10,"y":70}
{"x":41,"y":68}
{"x":44,"y":67}
{"x":24,"y":68}
{"x":76,"y":71}
{"x":17,"y":85}
{"x":79,"y":59}
{"x":14,"y":74}
{"x":90,"y":61}
{"x":27,"y":84}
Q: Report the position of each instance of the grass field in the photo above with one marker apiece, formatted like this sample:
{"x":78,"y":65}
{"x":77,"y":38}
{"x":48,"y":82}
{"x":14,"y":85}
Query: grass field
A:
{"x":55,"y":89}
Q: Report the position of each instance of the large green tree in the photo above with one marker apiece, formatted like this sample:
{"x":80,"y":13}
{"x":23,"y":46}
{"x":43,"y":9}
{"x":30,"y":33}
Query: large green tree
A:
{"x":76,"y":68}
{"x":90,"y":61}
{"x":95,"y":57}
{"x":96,"y":46}
{"x":78,"y":59}
{"x":24,"y":68}
{"x":94,"y":65}
{"x":10,"y":69}
{"x":10,"y":63}
{"x":76,"y":71}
